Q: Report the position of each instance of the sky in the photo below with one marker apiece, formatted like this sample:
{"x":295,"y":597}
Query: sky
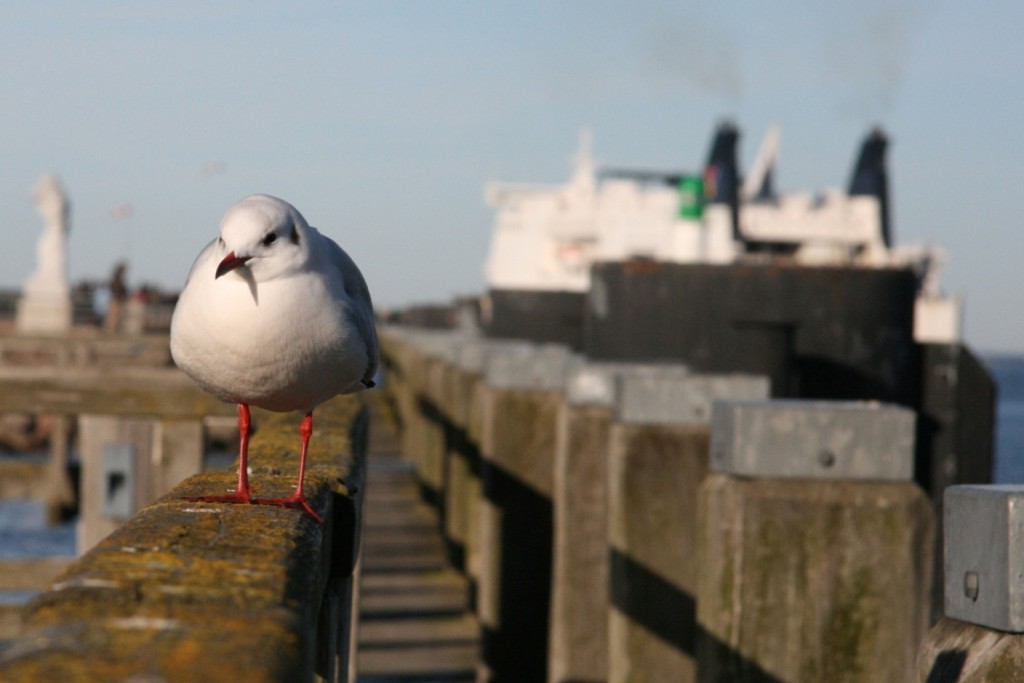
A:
{"x":382,"y":121}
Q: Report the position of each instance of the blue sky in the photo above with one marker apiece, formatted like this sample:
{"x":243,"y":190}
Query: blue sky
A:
{"x":382,"y":121}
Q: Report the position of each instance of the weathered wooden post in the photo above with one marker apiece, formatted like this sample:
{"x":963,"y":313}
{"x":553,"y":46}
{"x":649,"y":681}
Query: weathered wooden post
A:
{"x":982,"y":636}
{"x":815,"y":550}
{"x":520,"y":404}
{"x":658,"y":457}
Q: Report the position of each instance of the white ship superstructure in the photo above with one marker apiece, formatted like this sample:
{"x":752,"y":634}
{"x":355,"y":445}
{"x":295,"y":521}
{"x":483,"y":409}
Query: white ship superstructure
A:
{"x":546,"y":238}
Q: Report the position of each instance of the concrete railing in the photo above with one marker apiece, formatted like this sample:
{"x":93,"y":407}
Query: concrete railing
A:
{"x":187,"y":591}
{"x":612,"y":534}
{"x":155,"y":417}
{"x":84,"y":349}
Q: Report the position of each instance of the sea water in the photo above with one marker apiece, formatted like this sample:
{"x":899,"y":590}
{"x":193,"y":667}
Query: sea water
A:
{"x":1008,"y":372}
{"x":24,"y":533}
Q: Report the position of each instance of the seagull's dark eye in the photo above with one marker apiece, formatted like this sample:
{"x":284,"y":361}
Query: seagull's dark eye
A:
{"x":270,"y":239}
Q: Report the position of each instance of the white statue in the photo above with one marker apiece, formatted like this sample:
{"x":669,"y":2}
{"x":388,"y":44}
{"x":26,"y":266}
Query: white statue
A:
{"x":45,"y":306}
{"x":51,"y":251}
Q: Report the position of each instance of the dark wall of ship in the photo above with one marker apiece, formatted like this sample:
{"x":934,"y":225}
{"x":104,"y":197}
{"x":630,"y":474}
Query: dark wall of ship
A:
{"x":818,"y":333}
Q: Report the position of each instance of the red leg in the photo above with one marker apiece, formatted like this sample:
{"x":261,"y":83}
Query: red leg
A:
{"x":243,"y":492}
{"x":297,"y":500}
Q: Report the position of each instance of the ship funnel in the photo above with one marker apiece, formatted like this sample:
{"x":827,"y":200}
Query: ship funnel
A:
{"x":721,"y":175}
{"x":870,"y":177}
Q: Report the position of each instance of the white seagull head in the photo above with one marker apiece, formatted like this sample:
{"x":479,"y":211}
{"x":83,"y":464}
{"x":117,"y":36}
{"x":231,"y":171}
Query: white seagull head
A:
{"x":263,"y":235}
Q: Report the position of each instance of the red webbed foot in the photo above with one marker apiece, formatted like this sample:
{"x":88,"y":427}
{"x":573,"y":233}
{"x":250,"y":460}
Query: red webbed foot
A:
{"x":295,"y":501}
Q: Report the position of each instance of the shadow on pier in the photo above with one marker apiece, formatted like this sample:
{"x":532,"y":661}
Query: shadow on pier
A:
{"x":415,"y":622}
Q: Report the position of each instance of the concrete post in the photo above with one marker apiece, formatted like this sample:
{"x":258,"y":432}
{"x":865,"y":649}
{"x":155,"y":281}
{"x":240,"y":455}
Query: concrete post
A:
{"x":520,"y":405}
{"x":462,"y":456}
{"x":115,"y":479}
{"x":60,"y":492}
{"x":415,"y":355}
{"x":465,"y":364}
{"x":401,"y":359}
{"x":579,"y":622}
{"x":422,"y":437}
{"x":437,"y":351}
{"x":815,"y":544}
{"x":431,"y":454}
{"x":477,"y":414}
{"x":982,"y":636}
{"x":458,"y":394}
{"x":658,"y":458}
{"x":177,"y":454}
{"x":579,"y":598}
{"x":461,"y":401}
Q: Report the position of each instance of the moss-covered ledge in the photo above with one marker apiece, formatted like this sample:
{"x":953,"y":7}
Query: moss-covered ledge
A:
{"x":189,"y":591}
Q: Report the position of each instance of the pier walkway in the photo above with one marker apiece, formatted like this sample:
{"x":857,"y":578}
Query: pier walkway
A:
{"x":416,"y":623}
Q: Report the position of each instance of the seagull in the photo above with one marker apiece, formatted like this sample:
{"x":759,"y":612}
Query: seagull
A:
{"x":275,"y":315}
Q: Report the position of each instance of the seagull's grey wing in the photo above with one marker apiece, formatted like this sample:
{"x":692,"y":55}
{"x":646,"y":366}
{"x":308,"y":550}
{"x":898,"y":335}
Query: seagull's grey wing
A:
{"x":359,"y":294}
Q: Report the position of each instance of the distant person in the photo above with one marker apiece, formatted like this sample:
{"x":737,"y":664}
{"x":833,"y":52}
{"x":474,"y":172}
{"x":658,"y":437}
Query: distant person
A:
{"x":118,"y":295}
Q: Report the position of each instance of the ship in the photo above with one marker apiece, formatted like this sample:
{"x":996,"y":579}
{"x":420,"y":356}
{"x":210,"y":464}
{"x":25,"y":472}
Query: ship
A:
{"x":546,"y":238}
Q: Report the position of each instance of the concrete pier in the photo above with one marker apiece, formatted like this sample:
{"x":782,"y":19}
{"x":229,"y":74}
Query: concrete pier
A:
{"x":627,"y":529}
{"x":537,"y":517}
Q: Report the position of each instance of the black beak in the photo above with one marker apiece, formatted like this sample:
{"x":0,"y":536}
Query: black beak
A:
{"x":230,"y":262}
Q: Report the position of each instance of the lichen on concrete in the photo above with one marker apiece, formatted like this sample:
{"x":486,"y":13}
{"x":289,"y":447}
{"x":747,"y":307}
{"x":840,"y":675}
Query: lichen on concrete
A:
{"x":827,"y":580}
{"x":201,"y":591}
